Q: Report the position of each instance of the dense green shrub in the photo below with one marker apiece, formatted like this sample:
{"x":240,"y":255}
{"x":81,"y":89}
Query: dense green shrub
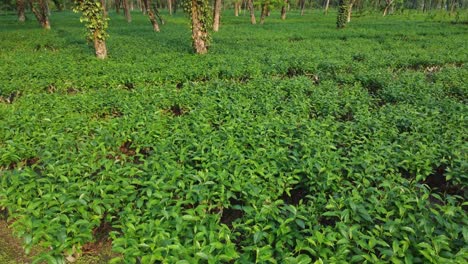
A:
{"x":308,"y":144}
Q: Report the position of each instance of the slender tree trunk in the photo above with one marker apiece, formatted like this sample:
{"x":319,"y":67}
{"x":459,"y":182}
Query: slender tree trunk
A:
{"x":126,"y":7}
{"x":342,"y":13}
{"x":174,"y":6}
{"x":453,"y":7}
{"x":263,"y":14}
{"x":144,"y":7}
{"x":283,"y":10}
{"x":350,"y":10}
{"x":169,"y":7}
{"x":199,"y":28}
{"x":104,"y":7}
{"x":236,"y":8}
{"x":117,"y":6}
{"x":387,"y":6}
{"x":302,"y":4}
{"x":139,"y":5}
{"x":150,"y":12}
{"x":40,"y":12}
{"x":252,"y":12}
{"x":20,"y":9}
{"x":327,"y":4}
{"x":216,"y":15}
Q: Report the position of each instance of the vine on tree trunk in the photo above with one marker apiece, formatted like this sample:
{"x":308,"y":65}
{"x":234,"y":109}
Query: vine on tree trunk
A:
{"x":201,"y":20}
{"x":342,"y":13}
{"x":96,"y":22}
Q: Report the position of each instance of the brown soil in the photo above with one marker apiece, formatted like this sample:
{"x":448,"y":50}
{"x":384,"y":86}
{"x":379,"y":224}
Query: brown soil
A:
{"x":11,"y":250}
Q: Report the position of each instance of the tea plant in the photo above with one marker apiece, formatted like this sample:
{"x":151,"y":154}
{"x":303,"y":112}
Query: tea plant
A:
{"x":306,"y":145}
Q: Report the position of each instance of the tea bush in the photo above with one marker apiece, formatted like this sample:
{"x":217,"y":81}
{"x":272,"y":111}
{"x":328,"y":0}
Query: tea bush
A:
{"x":290,"y":142}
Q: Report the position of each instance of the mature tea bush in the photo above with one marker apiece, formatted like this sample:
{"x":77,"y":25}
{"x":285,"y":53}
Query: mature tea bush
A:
{"x":288,"y":143}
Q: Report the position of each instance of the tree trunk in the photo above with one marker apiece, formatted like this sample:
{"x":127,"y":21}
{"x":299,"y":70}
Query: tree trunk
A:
{"x":350,"y":10}
{"x":216,"y":15}
{"x":117,"y":6}
{"x":126,"y":7}
{"x":100,"y":48}
{"x":326,"y":6}
{"x":236,"y":8}
{"x":199,"y":28}
{"x":99,"y":43}
{"x":20,"y":9}
{"x":302,"y":4}
{"x":152,"y":17}
{"x":453,"y":7}
{"x":387,"y":6}
{"x":169,"y":7}
{"x":104,"y":7}
{"x":40,"y":12}
{"x":283,"y":10}
{"x":252,"y":12}
{"x":263,"y":14}
{"x":342,"y":13}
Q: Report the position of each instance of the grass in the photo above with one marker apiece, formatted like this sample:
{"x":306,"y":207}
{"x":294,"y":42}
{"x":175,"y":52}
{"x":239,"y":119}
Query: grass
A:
{"x":289,"y":142}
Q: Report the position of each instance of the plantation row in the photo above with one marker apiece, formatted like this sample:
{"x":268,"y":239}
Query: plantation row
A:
{"x":289,"y":143}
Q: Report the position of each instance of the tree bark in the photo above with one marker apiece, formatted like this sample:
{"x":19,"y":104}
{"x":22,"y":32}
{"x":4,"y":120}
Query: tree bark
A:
{"x":263,"y":14}
{"x":169,"y":7}
{"x":152,"y":17}
{"x":342,"y":13}
{"x":283,"y":10}
{"x":453,"y":7}
{"x":252,"y":12}
{"x":350,"y":10}
{"x":20,"y":9}
{"x":387,"y":6}
{"x":100,"y":48}
{"x":126,"y":7}
{"x":41,"y":13}
{"x":99,"y":43}
{"x":117,"y":6}
{"x":302,"y":4}
{"x":216,"y":15}
{"x":326,"y":6}
{"x":104,"y":7}
{"x":199,"y":29}
{"x":236,"y":8}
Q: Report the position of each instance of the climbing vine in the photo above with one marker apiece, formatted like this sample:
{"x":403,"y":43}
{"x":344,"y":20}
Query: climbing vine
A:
{"x":92,"y":14}
{"x":201,"y":21}
{"x":342,"y":14}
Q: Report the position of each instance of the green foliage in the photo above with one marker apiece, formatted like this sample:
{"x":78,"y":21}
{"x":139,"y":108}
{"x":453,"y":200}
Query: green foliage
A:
{"x":92,"y":14}
{"x":288,"y":143}
{"x":343,"y":9}
{"x":204,"y":15}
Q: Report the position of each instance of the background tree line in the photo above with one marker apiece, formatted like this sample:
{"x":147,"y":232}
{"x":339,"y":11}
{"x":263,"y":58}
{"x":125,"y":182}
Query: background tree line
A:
{"x":241,"y":6}
{"x":205,"y":15}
